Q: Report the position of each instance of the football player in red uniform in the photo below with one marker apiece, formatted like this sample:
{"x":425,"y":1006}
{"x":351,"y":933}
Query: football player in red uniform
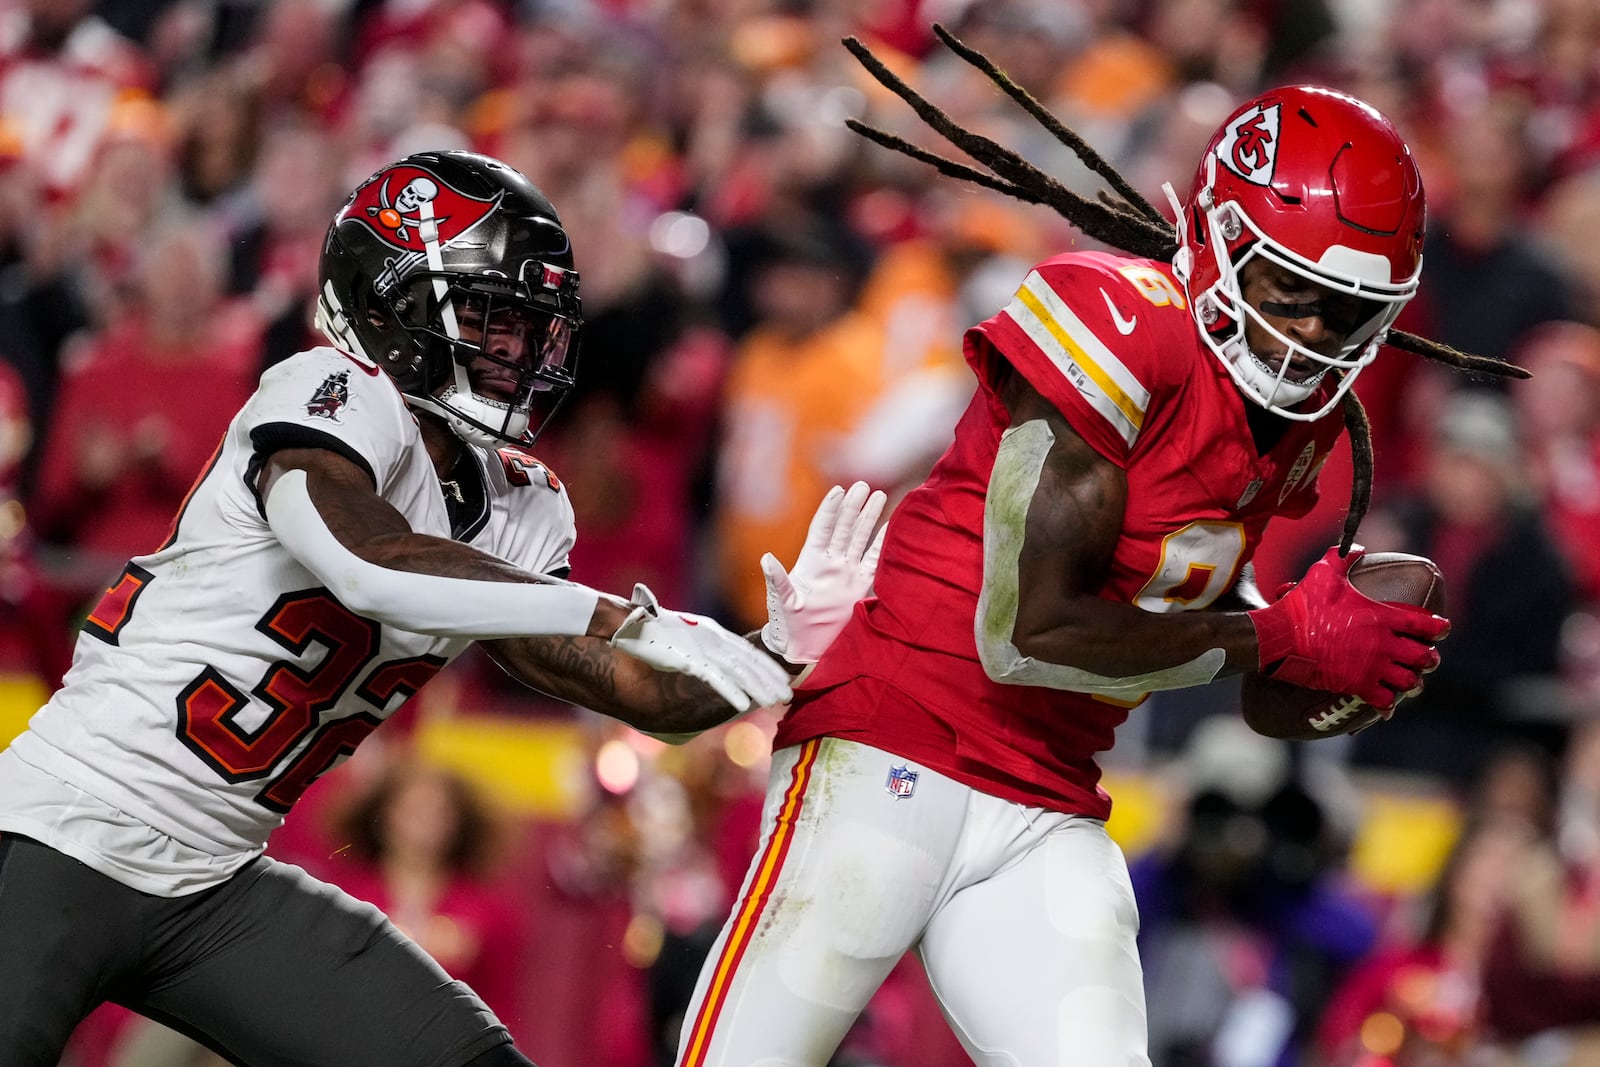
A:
{"x":371,"y":512}
{"x":1083,"y":542}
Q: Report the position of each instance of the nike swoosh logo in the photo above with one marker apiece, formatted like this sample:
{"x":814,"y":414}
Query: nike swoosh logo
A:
{"x":1124,"y":326}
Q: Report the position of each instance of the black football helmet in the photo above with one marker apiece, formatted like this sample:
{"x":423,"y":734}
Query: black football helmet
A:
{"x":447,"y":267}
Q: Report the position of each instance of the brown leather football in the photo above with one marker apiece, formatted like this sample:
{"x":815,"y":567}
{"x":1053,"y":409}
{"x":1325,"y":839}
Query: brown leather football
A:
{"x":1278,"y":709}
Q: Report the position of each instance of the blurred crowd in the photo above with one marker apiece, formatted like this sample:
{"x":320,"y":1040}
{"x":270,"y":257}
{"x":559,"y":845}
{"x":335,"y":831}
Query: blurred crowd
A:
{"x":774,"y":305}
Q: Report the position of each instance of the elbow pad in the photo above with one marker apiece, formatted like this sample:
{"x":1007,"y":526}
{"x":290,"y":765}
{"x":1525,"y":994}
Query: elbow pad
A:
{"x":422,"y":603}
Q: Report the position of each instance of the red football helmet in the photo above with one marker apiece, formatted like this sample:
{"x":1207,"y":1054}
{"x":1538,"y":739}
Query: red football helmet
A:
{"x":1322,"y":185}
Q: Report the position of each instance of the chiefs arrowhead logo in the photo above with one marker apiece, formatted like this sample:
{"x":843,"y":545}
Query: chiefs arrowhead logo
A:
{"x":408,"y":205}
{"x":1249,"y":145}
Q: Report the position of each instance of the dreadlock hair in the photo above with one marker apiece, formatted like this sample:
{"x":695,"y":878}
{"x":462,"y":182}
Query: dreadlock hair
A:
{"x":1120,"y":218}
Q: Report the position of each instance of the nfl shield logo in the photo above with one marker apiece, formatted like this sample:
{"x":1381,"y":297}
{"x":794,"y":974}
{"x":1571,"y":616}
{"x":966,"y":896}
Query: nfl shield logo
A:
{"x":902,"y":782}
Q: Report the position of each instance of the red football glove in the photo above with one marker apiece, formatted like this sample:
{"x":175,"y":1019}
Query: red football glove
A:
{"x":1324,"y":634}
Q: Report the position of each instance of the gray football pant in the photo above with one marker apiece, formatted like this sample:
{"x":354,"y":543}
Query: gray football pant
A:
{"x":271,"y":969}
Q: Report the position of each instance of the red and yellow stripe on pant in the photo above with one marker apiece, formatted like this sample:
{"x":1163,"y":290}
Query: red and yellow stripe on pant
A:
{"x":747,"y":918}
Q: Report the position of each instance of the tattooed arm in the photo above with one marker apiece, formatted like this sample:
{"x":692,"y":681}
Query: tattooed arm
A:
{"x":575,"y":663}
{"x":590,"y":673}
{"x":1053,"y":516}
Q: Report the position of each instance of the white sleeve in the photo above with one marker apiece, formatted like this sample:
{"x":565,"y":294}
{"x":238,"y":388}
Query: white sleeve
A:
{"x":422,"y":603}
{"x":1017,"y":466}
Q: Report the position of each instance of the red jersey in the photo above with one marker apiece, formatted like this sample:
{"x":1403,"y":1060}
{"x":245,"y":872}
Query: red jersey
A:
{"x":1110,"y":341}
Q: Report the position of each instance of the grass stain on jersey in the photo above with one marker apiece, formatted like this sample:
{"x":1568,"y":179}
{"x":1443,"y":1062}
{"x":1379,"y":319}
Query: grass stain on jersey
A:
{"x":1017,"y":466}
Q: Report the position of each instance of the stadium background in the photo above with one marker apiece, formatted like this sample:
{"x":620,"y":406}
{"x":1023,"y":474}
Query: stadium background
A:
{"x":775,"y":305}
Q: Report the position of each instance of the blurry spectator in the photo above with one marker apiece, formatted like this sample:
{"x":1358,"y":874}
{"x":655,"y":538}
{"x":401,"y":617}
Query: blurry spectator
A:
{"x":1563,"y":80}
{"x":18,"y":627}
{"x":218,"y":119}
{"x":1570,"y":217}
{"x":1559,"y":412}
{"x":1508,"y":589}
{"x":1578,"y":815}
{"x":66,"y":80}
{"x":925,"y":291}
{"x":290,"y":58}
{"x":35,"y":632}
{"x":111,"y":221}
{"x":389,"y":113}
{"x":1488,"y":283}
{"x":431,"y":26}
{"x":1542,"y":983}
{"x":1518,"y":784}
{"x":422,"y":848}
{"x":632,"y":465}
{"x":701,"y":820}
{"x":599,"y":1011}
{"x":800,"y":382}
{"x":1118,"y":78}
{"x":1418,"y":1000}
{"x":40,"y":303}
{"x":145,"y":406}
{"x":1227,"y":43}
{"x":277,"y":232}
{"x":1245,"y":923}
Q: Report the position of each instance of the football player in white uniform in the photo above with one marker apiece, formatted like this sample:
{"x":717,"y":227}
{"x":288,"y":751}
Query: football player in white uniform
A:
{"x":370,"y":513}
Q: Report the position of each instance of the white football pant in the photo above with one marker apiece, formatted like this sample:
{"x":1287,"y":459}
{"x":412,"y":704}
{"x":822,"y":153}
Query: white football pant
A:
{"x":1024,"y":920}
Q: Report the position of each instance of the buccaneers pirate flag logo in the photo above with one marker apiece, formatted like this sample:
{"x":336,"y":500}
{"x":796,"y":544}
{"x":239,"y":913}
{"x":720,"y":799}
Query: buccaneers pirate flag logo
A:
{"x":408,"y":207}
{"x":331,"y":396}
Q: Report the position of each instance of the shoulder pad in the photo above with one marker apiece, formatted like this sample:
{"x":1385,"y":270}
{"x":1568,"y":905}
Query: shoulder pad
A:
{"x":1098,"y":335}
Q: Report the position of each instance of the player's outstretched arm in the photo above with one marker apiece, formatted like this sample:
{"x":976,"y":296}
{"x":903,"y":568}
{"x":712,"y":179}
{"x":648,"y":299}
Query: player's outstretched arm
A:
{"x":630,"y":676}
{"x":807,"y":605}
{"x":1053,"y":515}
{"x":323,"y":509}
{"x":591,"y":673}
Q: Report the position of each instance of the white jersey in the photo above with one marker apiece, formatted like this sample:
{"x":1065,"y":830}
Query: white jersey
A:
{"x":216,"y":679}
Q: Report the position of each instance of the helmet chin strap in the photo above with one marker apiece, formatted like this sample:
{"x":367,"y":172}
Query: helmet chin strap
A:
{"x":467,"y":415}
{"x":1263,"y":383}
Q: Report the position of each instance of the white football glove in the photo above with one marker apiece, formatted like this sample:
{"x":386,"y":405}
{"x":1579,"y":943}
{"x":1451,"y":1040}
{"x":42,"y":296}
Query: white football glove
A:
{"x":700,"y":647}
{"x":809,"y":605}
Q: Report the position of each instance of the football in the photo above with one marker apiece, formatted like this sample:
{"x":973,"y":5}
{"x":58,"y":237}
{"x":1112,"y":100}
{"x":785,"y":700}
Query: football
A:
{"x":1278,"y":709}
